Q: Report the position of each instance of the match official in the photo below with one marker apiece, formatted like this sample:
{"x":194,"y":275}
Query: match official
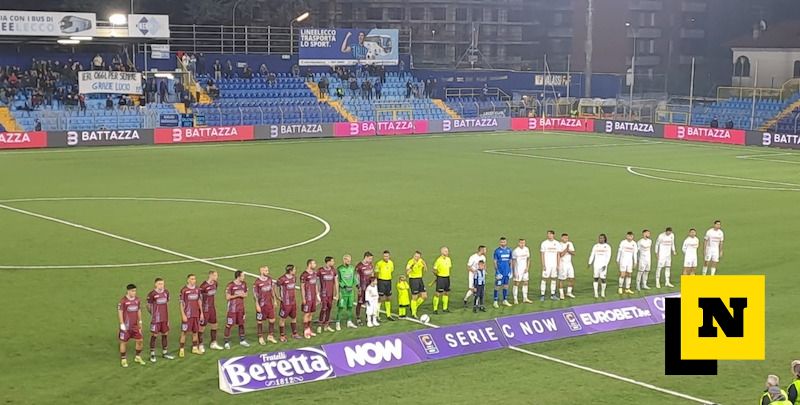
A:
{"x":441,"y":268}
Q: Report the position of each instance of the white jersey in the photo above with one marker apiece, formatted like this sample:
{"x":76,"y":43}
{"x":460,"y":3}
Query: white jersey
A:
{"x":521,"y":257}
{"x":473,"y":261}
{"x":644,"y":245}
{"x":714,"y":237}
{"x":550,"y":250}
{"x":566,"y":259}
{"x":372,"y":296}
{"x":665,"y":244}
{"x":690,"y":246}
{"x":626,"y":255}
{"x":601,"y":255}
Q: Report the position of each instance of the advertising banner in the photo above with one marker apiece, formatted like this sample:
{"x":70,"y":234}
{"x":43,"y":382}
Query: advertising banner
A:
{"x":613,"y":315}
{"x":643,"y":129}
{"x":272,"y":370}
{"x":537,"y":327}
{"x":556,"y":80}
{"x":169,"y":120}
{"x":347,"y":129}
{"x":553,"y":124}
{"x":457,"y":340}
{"x":372,"y":354}
{"x":405,"y":127}
{"x":47,"y":24}
{"x":148,"y":26}
{"x":104,"y":137}
{"x":704,"y":134}
{"x":203,"y":134}
{"x":470,"y":125}
{"x":105,"y":82}
{"x":160,"y":51}
{"x":773,"y":140}
{"x":657,"y":306}
{"x":294,"y":131}
{"x":337,"y":46}
{"x":23,"y":140}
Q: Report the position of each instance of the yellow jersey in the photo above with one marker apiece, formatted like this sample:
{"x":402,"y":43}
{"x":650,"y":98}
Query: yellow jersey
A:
{"x":416,"y":268}
{"x":442,"y":266}
{"x":384,"y":269}
{"x":403,"y":296}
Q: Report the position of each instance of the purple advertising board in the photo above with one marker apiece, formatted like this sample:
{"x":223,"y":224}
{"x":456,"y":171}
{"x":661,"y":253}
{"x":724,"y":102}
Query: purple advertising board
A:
{"x":372,"y":354}
{"x":457,"y":340}
{"x":272,"y":370}
{"x":537,"y":327}
{"x":613,"y":315}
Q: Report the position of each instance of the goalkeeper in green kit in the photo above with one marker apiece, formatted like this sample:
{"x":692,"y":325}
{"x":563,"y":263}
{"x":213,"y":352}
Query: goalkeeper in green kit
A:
{"x":347,"y":293}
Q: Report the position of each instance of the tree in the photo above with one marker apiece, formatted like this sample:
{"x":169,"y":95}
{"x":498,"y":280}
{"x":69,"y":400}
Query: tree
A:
{"x":207,"y":11}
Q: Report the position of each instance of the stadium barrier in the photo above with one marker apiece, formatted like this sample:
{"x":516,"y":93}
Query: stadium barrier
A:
{"x":279,"y":369}
{"x":157,"y":136}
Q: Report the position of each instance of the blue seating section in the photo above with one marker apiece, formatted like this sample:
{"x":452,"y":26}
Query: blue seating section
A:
{"x":473,"y":107}
{"x":95,"y":117}
{"x":739,"y":110}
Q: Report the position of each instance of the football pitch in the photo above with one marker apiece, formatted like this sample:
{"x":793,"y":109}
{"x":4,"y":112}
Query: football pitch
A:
{"x":78,"y":225}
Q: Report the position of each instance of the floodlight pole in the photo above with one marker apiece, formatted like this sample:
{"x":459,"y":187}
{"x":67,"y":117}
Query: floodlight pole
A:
{"x":691,"y":95}
{"x":234,"y":24}
{"x":633,"y":74}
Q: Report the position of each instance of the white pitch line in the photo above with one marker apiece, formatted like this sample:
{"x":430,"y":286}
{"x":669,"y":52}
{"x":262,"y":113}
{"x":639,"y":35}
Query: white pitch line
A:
{"x":764,"y":157}
{"x":122,"y":238}
{"x":596,"y":145}
{"x":700,"y":183}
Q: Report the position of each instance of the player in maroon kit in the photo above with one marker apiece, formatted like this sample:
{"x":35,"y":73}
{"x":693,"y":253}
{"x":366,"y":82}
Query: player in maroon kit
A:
{"x":130,"y":325}
{"x":365,"y":271}
{"x":265,"y":305}
{"x":235,"y":293}
{"x":208,"y":290}
{"x":191,"y":314}
{"x":158,"y":306}
{"x":286,"y":285}
{"x":310,"y":294}
{"x":328,"y":288}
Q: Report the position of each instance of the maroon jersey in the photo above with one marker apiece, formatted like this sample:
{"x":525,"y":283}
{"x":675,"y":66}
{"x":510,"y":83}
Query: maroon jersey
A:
{"x":130,"y":312}
{"x":236,"y":305}
{"x":327,"y":281}
{"x":309,"y":281}
{"x":262,"y":290}
{"x":207,"y":292}
{"x":190,"y":298}
{"x":365,"y":274}
{"x":158,"y":302}
{"x":287,"y":284}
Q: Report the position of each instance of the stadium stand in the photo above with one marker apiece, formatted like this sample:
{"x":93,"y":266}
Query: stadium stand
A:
{"x":473,"y":107}
{"x":739,"y":111}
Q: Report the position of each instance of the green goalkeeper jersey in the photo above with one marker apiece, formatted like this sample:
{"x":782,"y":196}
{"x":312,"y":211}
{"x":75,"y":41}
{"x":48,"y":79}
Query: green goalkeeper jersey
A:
{"x":347,"y":277}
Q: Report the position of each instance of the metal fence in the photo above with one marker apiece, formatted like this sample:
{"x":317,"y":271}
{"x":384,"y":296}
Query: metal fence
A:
{"x":98,"y":119}
{"x":216,"y":116}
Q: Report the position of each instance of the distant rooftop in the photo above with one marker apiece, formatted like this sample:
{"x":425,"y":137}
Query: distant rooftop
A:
{"x":781,"y":35}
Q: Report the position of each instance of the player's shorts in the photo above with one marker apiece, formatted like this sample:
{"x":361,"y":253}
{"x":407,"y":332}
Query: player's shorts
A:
{"x":626,"y":268}
{"x":417,"y":285}
{"x":566,"y":271}
{"x":501,"y":279}
{"x":235,"y":318}
{"x":288,"y":311}
{"x":665,"y":261}
{"x":600,"y":271}
{"x":384,"y":288}
{"x":310,"y":307}
{"x":712,"y":255}
{"x":159,"y":327}
{"x":267,"y":312}
{"x":132,"y":333}
{"x":520,"y":275}
{"x":191,"y":325}
{"x":550,"y":272}
{"x":644,"y":265}
{"x":209,"y":317}
{"x":690,"y":262}
{"x":470,"y":279}
{"x":442,"y":284}
{"x":346,"y":299}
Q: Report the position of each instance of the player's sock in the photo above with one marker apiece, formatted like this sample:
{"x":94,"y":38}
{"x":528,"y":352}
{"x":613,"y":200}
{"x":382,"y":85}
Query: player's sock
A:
{"x":713,"y":271}
{"x":388,"y":306}
{"x":666,"y":274}
{"x":435,"y":302}
{"x":282,"y":330}
{"x":467,"y":295}
{"x":401,"y":310}
{"x":645,"y":276}
{"x":622,"y":282}
{"x":413,"y":308}
{"x":524,"y":292}
{"x":543,"y":287}
{"x":595,"y":284}
{"x":358,"y":310}
{"x":200,"y":337}
{"x":552,"y":287}
{"x":628,"y":282}
{"x":705,"y":270}
{"x":560,"y":291}
{"x":445,"y":302}
{"x":294,"y":328}
{"x":164,"y":342}
{"x":241,"y":332}
{"x":260,"y":329}
{"x":495,"y":295}
{"x":515,"y":293}
{"x":271,"y":328}
{"x":123,"y":355}
{"x":213,"y":335}
{"x":138,"y":352}
{"x":569,"y":290}
{"x":505,"y":294}
{"x":227,"y":333}
{"x":603,"y":287}
{"x":152,"y":342}
{"x":182,"y":344}
{"x":639,"y":280}
{"x":658,"y":275}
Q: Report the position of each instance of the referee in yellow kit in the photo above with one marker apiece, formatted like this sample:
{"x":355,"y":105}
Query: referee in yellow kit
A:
{"x":385,"y":270}
{"x":441,"y":269}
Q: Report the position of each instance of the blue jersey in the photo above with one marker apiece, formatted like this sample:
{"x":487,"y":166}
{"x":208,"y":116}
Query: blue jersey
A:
{"x":502,"y":257}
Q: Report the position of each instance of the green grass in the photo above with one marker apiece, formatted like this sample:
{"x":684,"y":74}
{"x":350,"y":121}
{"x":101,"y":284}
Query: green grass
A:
{"x":58,"y":338}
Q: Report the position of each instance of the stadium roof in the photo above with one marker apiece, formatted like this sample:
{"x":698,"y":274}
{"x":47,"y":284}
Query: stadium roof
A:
{"x":782,"y":35}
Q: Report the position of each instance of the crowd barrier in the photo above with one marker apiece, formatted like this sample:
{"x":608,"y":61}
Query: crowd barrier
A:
{"x":108,"y":137}
{"x":340,"y":359}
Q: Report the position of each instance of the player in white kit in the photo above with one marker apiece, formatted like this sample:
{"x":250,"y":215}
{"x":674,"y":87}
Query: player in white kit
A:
{"x":665,"y":249}
{"x":690,"y":245}
{"x":566,"y":273}
{"x":712,"y":247}
{"x":521,"y":263}
{"x":599,"y":259}
{"x":644,"y":245}
{"x":627,"y":260}
{"x":472,"y":267}
{"x":549,"y":255}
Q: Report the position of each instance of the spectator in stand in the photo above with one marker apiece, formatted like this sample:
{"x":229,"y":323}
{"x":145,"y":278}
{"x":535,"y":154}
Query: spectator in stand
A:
{"x":82,"y":103}
{"x":228,"y":69}
{"x":201,"y":64}
{"x":323,"y":87}
{"x":378,"y":89}
{"x":178,"y":87}
{"x":714,"y":122}
{"x":272,"y":78}
{"x":97,"y":63}
{"x":193,"y":64}
{"x":309,"y":75}
{"x":339,"y":92}
{"x":729,"y":124}
{"x":354,"y":87}
{"x":402,"y":68}
{"x":295,"y":70}
{"x":162,"y":92}
{"x":151,"y":90}
{"x":123,"y":103}
{"x":409,"y":88}
{"x":247,"y":73}
{"x":263,"y":71}
{"x":383,"y":73}
{"x":185,"y":60}
{"x":217,"y":70}
{"x":37,"y":125}
{"x":213,"y":90}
